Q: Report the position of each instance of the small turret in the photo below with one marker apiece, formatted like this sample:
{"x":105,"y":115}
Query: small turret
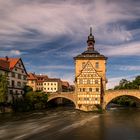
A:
{"x":90,"y":41}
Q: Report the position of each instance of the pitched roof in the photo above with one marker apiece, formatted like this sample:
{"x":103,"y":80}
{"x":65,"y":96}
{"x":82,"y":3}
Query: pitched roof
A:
{"x":4,"y":65}
{"x":52,"y":80}
{"x":31,"y":76}
{"x":41,"y":78}
{"x":12,"y":61}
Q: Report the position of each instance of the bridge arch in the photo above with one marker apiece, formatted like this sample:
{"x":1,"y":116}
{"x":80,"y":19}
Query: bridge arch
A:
{"x":68,"y":96}
{"x":110,"y":95}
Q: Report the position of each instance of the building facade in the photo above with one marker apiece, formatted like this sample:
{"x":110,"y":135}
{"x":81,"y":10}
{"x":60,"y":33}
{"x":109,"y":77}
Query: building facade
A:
{"x":90,"y":77}
{"x":52,"y":85}
{"x":36,"y":81}
{"x":17,"y":76}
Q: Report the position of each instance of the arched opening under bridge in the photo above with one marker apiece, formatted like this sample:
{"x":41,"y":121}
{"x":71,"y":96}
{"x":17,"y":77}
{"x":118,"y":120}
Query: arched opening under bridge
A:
{"x":61,"y":101}
{"x":123,"y":101}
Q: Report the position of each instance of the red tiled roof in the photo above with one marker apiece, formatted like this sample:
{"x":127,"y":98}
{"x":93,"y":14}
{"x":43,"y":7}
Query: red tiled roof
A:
{"x":41,"y":78}
{"x":31,"y":76}
{"x":12,"y":61}
{"x":4,"y":65}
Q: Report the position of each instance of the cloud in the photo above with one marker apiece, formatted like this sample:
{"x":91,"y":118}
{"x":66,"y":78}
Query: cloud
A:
{"x":52,"y":32}
{"x":45,"y":21}
{"x":114,"y":81}
{"x":127,"y":49}
{"x":56,"y":67}
{"x":10,"y":53}
{"x":129,"y":68}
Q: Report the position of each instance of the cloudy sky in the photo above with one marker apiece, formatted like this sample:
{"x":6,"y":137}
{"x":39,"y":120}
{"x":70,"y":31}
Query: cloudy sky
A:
{"x":47,"y":34}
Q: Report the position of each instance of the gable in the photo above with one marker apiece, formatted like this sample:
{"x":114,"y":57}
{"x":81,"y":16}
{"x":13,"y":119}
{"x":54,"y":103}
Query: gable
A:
{"x":88,"y":71}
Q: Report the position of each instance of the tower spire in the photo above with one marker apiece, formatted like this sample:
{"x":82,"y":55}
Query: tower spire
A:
{"x":90,"y":30}
{"x":90,"y":41}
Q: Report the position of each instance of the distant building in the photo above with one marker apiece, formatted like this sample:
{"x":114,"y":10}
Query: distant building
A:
{"x":65,"y":86}
{"x":52,"y":85}
{"x":16,"y":73}
{"x":32,"y":81}
{"x":46,"y":84}
{"x":36,"y":81}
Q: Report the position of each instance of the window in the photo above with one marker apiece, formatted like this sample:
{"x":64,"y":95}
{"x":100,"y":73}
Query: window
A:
{"x":96,"y":81}
{"x":84,"y":89}
{"x":51,"y":83}
{"x":48,"y":88}
{"x":97,"y":65}
{"x":83,"y":64}
{"x":15,"y":69}
{"x":44,"y":83}
{"x":24,"y":77}
{"x":97,"y":89}
{"x":13,"y":83}
{"x":80,"y":81}
{"x":88,"y":81}
{"x":90,"y":89}
{"x":19,"y":84}
{"x":19,"y":76}
{"x":48,"y":83}
{"x":13,"y":74}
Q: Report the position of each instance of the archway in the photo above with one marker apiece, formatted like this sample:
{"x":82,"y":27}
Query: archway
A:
{"x":63,"y":101}
{"x":129,"y":100}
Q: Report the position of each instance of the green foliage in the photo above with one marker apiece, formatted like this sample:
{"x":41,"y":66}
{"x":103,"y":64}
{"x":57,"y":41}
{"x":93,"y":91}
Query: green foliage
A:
{"x":3,"y":92}
{"x":125,"y":101}
{"x":124,"y":84}
{"x":3,"y":88}
{"x":28,"y":89}
{"x":32,"y":101}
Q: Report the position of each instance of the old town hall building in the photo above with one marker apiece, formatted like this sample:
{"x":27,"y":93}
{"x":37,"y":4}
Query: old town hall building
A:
{"x":90,"y":77}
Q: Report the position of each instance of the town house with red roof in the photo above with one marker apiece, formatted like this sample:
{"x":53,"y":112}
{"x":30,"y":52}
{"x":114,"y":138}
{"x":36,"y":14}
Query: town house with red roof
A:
{"x":17,"y":76}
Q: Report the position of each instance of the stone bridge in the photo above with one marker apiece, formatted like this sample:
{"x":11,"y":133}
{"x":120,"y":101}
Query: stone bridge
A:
{"x":67,"y":95}
{"x":112,"y":94}
{"x":108,"y":97}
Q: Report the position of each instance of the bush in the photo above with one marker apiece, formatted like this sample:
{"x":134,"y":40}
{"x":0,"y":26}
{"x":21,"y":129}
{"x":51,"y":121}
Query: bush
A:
{"x":31,"y":101}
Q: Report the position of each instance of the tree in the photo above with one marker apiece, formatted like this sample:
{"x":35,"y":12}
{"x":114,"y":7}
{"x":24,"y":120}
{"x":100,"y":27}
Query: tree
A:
{"x":3,"y":91}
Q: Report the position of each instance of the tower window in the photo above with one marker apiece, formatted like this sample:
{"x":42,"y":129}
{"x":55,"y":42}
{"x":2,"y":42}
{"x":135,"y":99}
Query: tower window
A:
{"x":83,"y":64}
{"x":97,"y":89}
{"x":96,"y":82}
{"x":90,"y":89}
{"x":88,"y":81}
{"x":97,"y":65}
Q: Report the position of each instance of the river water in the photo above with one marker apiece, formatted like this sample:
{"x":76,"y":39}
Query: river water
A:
{"x":69,"y":124}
